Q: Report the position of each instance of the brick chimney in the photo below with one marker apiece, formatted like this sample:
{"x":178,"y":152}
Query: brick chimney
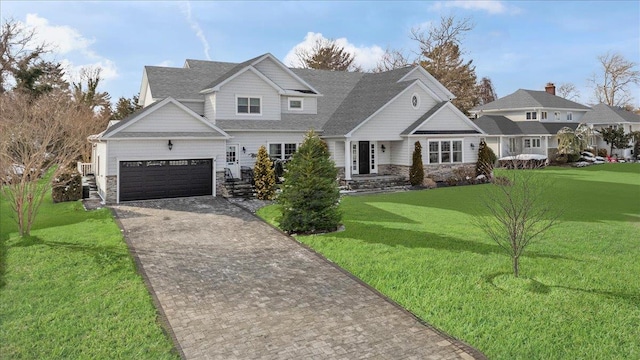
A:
{"x":550,"y":88}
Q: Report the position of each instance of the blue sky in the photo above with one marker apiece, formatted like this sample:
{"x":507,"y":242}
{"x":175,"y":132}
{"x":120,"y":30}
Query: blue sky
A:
{"x":516,"y":44}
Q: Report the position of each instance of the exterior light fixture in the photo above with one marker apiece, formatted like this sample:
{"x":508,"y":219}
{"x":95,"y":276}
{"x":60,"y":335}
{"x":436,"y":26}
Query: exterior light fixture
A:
{"x":170,"y":145}
{"x":244,"y":150}
{"x":472,"y":146}
{"x":383,"y":148}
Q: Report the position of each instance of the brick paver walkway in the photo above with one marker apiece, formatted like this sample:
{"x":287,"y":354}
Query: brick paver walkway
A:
{"x":232,"y":287}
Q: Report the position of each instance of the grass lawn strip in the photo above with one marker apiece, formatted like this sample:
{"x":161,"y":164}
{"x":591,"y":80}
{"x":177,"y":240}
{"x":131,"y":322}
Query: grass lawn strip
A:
{"x":71,"y":290}
{"x":579,"y":291}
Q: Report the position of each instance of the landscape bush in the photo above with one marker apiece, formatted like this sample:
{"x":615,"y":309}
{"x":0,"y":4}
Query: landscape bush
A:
{"x":416,"y":173}
{"x":486,"y":160}
{"x":264,"y":176}
{"x":67,"y":187}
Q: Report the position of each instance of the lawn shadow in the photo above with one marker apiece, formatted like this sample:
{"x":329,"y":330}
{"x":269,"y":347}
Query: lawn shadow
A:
{"x":537,"y":287}
{"x":419,"y":239}
{"x":110,"y":258}
{"x":3,"y":258}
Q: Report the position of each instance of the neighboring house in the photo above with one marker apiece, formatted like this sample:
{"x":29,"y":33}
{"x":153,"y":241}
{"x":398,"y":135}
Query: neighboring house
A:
{"x":603,"y":116}
{"x":209,"y":116}
{"x":527,"y":121}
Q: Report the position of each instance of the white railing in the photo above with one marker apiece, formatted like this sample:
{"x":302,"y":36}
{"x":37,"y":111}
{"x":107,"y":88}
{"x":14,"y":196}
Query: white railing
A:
{"x":85,"y":168}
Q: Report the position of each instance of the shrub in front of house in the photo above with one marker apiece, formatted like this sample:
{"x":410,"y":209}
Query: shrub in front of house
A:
{"x":486,"y":159}
{"x":465,"y":174}
{"x":264,"y":176}
{"x":67,"y":187}
{"x":416,"y":173}
{"x":602,"y":152}
{"x":310,"y":193}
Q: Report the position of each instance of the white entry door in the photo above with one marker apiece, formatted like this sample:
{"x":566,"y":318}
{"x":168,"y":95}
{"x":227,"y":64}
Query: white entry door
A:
{"x":233,"y":160}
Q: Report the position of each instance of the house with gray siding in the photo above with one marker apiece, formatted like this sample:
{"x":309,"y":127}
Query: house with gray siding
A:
{"x":208,"y":118}
{"x":527,"y":121}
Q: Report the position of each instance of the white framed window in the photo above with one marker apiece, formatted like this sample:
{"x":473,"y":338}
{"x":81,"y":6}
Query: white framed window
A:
{"x":513,"y":145}
{"x":532,"y":142}
{"x":445,"y":151}
{"x":373,"y":156}
{"x":543,"y":115}
{"x":295,"y":104}
{"x":354,"y":157}
{"x":531,"y":115}
{"x":248,"y":105}
{"x":282,"y":151}
{"x":569,"y":116}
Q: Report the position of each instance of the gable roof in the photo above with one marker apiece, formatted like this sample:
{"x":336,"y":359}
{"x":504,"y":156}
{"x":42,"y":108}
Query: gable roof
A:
{"x":529,"y":99}
{"x":423,"y":118}
{"x":605,"y":114}
{"x":435,"y":81}
{"x":184,"y":83}
{"x":501,"y":125}
{"x":142,"y":113}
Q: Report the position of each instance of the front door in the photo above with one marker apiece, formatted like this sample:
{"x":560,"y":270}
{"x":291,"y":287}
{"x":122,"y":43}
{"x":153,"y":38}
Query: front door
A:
{"x":233,"y":160}
{"x":363,"y":157}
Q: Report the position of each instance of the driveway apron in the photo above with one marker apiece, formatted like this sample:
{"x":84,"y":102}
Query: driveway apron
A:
{"x":230,"y":286}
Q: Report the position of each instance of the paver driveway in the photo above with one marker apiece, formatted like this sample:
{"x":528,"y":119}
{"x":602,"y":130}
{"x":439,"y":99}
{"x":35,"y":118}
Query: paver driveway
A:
{"x":231,"y":286}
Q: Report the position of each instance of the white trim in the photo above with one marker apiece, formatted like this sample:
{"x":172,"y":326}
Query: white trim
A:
{"x":434,"y":80}
{"x":170,"y":137}
{"x":289,"y":100}
{"x":161,"y":105}
{"x":143,"y":89}
{"x":249,"y":113}
{"x":414,"y":83}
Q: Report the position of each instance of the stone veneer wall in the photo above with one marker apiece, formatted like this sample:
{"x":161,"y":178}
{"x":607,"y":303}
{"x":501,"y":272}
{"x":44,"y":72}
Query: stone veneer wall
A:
{"x":441,"y":172}
{"x":221,"y":190}
{"x":112,"y":189}
{"x":400,"y":170}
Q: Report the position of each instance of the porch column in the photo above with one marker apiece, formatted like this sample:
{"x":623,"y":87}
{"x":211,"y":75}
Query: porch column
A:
{"x":546,"y":147}
{"x":347,"y":159}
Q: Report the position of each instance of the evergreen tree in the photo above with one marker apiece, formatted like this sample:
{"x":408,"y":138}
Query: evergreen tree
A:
{"x":263,"y":176}
{"x":125,"y":107}
{"x":310,"y":192}
{"x":615,"y":137}
{"x":486,"y":159}
{"x":416,"y":173}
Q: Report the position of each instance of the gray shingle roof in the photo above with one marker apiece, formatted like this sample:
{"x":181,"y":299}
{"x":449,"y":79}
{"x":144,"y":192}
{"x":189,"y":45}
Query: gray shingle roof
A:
{"x":529,"y":99}
{"x":231,"y":72}
{"x":184,"y":83}
{"x":366,"y":97}
{"x":605,"y":114}
{"x":500,"y":125}
{"x":171,"y":134}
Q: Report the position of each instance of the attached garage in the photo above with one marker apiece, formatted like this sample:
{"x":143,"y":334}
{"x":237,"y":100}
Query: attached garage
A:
{"x":157,"y":179}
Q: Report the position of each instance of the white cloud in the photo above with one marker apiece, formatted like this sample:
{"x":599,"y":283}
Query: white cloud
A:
{"x":490,"y":6}
{"x":195,"y":26}
{"x":165,"y":63}
{"x":365,"y":57}
{"x":68,"y":42}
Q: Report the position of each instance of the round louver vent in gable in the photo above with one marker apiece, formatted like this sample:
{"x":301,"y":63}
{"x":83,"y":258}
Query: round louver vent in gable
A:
{"x":415,"y":101}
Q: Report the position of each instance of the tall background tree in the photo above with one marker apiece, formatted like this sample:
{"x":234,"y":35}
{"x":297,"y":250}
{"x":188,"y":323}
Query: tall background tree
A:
{"x":125,"y":107}
{"x":18,"y":53}
{"x":441,"y":56}
{"x":486,"y":91}
{"x":568,"y":91}
{"x":611,"y":85}
{"x":392,"y":59}
{"x":326,"y":54}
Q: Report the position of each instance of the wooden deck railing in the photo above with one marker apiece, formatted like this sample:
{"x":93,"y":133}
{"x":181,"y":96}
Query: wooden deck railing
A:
{"x":85,"y":168}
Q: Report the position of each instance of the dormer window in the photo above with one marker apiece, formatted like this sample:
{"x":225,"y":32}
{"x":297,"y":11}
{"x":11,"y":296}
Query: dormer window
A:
{"x":569,"y":116}
{"x":248,"y":105}
{"x":532,"y":115}
{"x":295,"y":104}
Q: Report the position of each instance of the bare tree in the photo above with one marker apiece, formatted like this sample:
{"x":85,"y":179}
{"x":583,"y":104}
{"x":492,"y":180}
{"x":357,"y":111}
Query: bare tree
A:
{"x":34,"y":149}
{"x":326,"y":54}
{"x":611,"y":86}
{"x":85,"y":91}
{"x":441,"y":56}
{"x":568,"y":91}
{"x":392,"y":59}
{"x":517,"y":212}
{"x":18,"y":52}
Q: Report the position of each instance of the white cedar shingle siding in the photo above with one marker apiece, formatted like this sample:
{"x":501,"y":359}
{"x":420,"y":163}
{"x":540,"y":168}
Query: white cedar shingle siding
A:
{"x":396,"y":117}
{"x":123,"y":150}
{"x":446,"y":119}
{"x":247,"y":84}
{"x":309,"y":105}
{"x":279,"y":76}
{"x":428,"y":83}
{"x":169,"y":118}
{"x":252,"y":141}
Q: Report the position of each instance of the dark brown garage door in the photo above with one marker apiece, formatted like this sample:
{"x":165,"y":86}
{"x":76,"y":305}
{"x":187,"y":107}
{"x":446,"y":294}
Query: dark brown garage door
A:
{"x":157,"y":179}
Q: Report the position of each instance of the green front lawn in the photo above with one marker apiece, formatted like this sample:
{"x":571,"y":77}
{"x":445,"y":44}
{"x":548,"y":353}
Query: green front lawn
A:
{"x":71,"y":291}
{"x":579,"y":292}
